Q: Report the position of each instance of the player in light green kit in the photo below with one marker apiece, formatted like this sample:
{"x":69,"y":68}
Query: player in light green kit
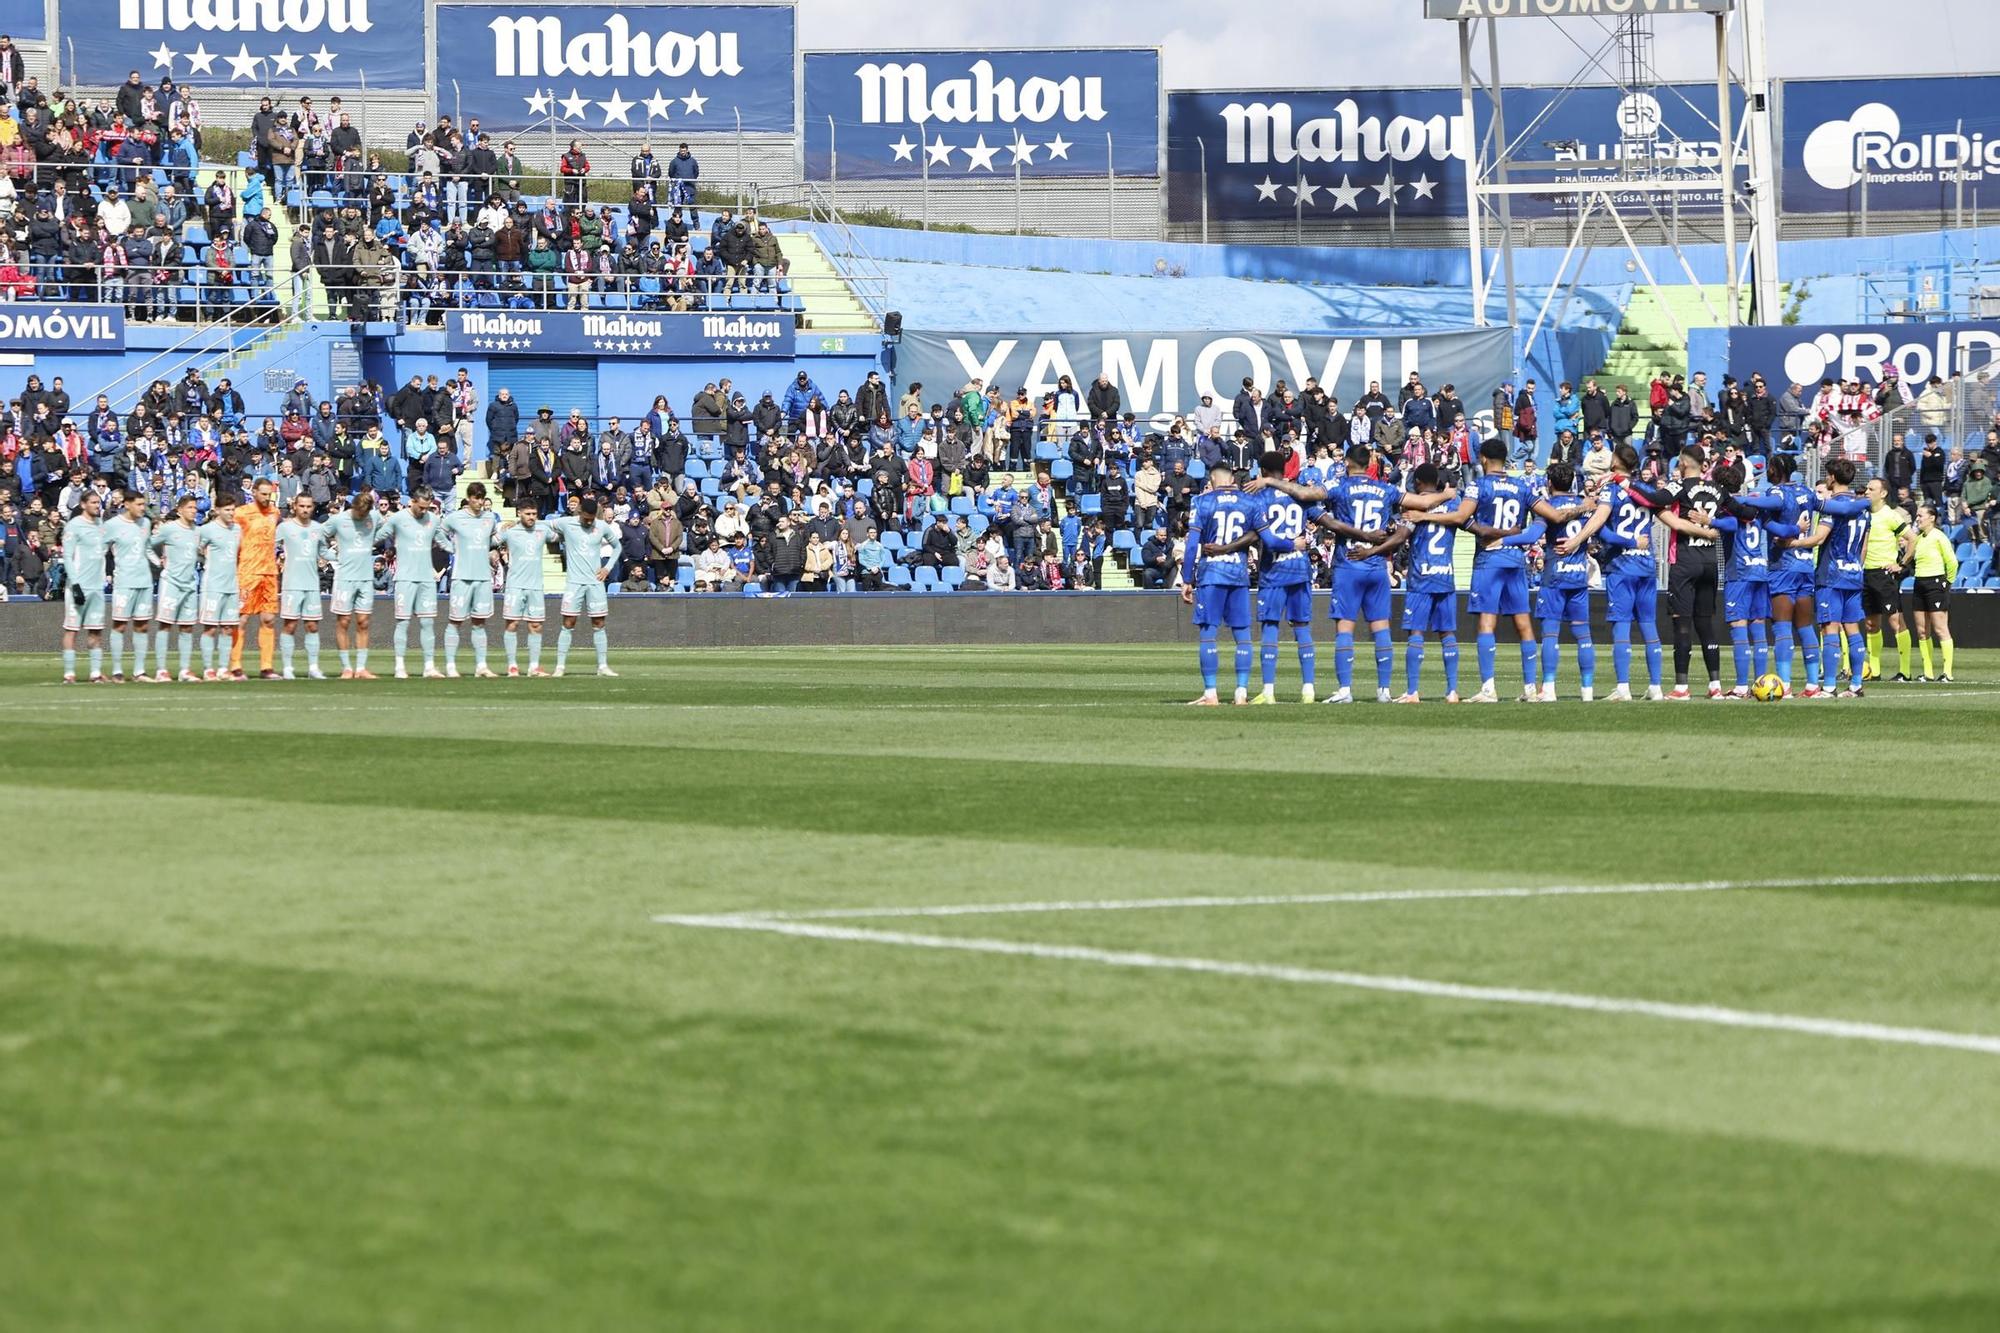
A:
{"x":522,"y":544}
{"x":300,"y":544}
{"x":414,"y":532}
{"x":354,"y":535}
{"x":126,"y":535}
{"x":180,"y":585}
{"x":471,"y":530}
{"x":218,"y":544}
{"x":585,"y":543}
{"x":83,"y":553}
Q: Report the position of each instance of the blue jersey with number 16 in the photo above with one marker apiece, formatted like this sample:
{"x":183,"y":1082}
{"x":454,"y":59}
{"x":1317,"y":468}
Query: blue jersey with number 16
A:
{"x":1219,"y":518}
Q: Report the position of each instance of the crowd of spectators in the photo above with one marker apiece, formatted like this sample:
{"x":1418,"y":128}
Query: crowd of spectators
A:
{"x":108,"y":202}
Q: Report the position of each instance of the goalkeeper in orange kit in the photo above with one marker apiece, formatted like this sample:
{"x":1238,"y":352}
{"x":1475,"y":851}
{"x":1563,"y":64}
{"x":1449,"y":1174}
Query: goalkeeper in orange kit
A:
{"x":257,"y":576}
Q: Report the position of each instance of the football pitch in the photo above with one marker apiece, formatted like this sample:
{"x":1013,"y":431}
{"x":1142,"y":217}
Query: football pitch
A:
{"x":988,"y":989}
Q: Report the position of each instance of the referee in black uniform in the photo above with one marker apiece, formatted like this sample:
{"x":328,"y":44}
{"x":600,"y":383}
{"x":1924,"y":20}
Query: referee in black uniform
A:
{"x":1695,"y":576}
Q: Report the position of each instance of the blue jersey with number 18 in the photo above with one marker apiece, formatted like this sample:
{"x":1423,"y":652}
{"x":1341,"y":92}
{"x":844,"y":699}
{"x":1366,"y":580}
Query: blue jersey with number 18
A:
{"x":1504,"y":502}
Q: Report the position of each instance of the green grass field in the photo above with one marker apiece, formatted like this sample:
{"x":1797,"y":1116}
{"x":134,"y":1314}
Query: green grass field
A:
{"x":350,"y":1006}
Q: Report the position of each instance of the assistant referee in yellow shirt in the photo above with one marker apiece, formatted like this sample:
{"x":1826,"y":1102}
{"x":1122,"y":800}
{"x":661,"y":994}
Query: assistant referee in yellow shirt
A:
{"x":1936,"y":566}
{"x":1882,"y":560}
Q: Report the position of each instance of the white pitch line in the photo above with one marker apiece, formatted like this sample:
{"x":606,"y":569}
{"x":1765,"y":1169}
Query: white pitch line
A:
{"x":1321,"y":899}
{"x":1710,"y":1015}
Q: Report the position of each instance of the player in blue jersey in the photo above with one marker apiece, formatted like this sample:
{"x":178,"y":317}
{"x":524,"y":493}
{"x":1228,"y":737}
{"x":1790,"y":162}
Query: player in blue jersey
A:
{"x":1361,"y":510}
{"x":126,"y":534}
{"x":1218,"y":586}
{"x":470,"y":531}
{"x":1430,"y":593}
{"x":1284,"y":584}
{"x":1623,"y":528}
{"x":1565,"y":594}
{"x":1794,"y":626}
{"x":1496,"y":507}
{"x":1840,"y":563}
{"x":1748,"y":524}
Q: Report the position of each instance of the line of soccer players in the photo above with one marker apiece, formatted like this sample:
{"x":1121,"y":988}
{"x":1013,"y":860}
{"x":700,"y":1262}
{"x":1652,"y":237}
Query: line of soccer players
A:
{"x":203,"y":594}
{"x":1791,"y":584}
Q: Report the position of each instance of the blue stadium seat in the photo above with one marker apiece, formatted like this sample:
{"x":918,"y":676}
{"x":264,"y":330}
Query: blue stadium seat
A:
{"x":1197,"y":469}
{"x":684,"y":577}
{"x":1044,"y":451}
{"x":195,"y":234}
{"x":954,"y":577}
{"x":1062,"y":470}
{"x":924,"y":577}
{"x":977,"y":522}
{"x":246,"y":160}
{"x":962,"y":504}
{"x":1909,"y":585}
{"x":696,"y":469}
{"x":865,"y":487}
{"x":1122,"y":540}
{"x":1965,"y":551}
{"x":899,"y":577}
{"x":1092,"y":503}
{"x":891,"y":541}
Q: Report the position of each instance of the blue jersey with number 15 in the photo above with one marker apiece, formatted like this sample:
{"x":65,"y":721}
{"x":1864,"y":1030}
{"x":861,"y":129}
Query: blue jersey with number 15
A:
{"x":1219,"y":518}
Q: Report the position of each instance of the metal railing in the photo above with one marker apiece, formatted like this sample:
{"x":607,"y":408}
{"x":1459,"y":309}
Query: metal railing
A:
{"x":812,"y":203}
{"x":1959,"y":412}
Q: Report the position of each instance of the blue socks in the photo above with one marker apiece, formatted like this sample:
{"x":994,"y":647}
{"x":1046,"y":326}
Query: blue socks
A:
{"x":1268,"y":656}
{"x":1809,"y":648}
{"x":1449,"y":643}
{"x":1785,"y":646}
{"x":1343,"y":658}
{"x":1857,"y":657}
{"x":1621,"y":653}
{"x":1551,"y":650}
{"x":1760,"y":649}
{"x":1651,"y":634}
{"x":1308,"y":653}
{"x":1242,"y":660}
{"x":1210,"y":657}
{"x":1385,"y":657}
{"x":1586,"y":655}
{"x":1486,"y":654}
{"x":1413,"y":664}
{"x":1739,"y":652}
{"x":1530,"y":654}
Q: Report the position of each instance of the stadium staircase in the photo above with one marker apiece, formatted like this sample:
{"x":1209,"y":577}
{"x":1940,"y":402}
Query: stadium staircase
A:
{"x":1647,"y":345}
{"x":830,"y":304}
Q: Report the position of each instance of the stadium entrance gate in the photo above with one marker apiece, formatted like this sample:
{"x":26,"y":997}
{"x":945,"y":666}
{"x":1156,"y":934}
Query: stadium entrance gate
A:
{"x":554,"y":382}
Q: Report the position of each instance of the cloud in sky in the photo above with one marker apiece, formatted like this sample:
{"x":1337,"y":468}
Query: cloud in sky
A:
{"x":1364,"y":43}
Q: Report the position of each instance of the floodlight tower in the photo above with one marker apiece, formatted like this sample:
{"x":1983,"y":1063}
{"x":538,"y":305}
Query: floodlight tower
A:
{"x":1649,"y":167}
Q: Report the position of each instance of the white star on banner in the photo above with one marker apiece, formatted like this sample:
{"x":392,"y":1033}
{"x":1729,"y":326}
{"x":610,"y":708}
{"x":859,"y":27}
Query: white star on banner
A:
{"x":1386,"y":191}
{"x":522,"y":342}
{"x":574,"y":105}
{"x":695,"y":102}
{"x":539,"y":103}
{"x":1304,"y":191}
{"x":939,"y":152}
{"x":243,"y":65}
{"x":617,"y":109}
{"x":1422,"y":187}
{"x":658,"y":107}
{"x":285,"y":62}
{"x":905,"y":150}
{"x":1023,"y":151}
{"x":164,"y":57}
{"x":1346,"y":195}
{"x":979,"y":157}
{"x":1267,"y":190}
{"x":1059,"y":148}
{"x":200,"y":61}
{"x":323,"y":58}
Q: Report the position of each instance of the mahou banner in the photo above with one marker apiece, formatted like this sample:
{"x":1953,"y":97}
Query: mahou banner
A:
{"x":245,"y":44}
{"x":672,"y":70}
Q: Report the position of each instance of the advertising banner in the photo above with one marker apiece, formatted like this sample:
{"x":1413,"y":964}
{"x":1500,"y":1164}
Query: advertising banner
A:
{"x":1916,"y":141}
{"x":670,"y":69}
{"x":1363,"y":152}
{"x":1807,"y":354}
{"x":62,"y":328}
{"x":246,"y":43}
{"x":971,"y":114}
{"x":618,"y":333}
{"x":1170,"y":372}
{"x":1569,"y":9}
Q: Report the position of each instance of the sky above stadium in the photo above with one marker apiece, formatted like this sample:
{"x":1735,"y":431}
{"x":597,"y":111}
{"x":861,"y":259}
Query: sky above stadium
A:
{"x":1385,"y":42}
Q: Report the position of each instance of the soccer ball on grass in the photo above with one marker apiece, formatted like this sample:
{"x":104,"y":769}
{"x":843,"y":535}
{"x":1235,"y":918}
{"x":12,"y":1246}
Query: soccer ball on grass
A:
{"x":1767,"y":689}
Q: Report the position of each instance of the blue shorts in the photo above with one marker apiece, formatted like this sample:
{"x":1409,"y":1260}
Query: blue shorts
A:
{"x":1499,"y":592}
{"x":1285,"y":602}
{"x":1567,"y":605}
{"x":1360,"y":594}
{"x":1840,"y":606}
{"x":1217,"y":604}
{"x":1743,"y":600}
{"x":1795,"y":581}
{"x":1430,"y":612}
{"x":1633,"y":599}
